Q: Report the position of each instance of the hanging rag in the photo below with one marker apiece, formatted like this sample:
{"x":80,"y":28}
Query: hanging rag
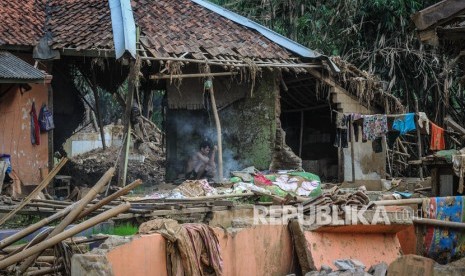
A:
{"x":423,"y":121}
{"x":340,"y":140}
{"x":458,"y":164}
{"x":437,"y":138}
{"x":377,"y":145}
{"x":356,"y":121}
{"x":374,"y":126}
{"x":35,"y":128}
{"x":405,"y":123}
{"x":192,"y":248}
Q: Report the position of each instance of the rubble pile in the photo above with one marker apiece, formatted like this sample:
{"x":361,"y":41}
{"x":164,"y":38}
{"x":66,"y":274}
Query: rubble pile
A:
{"x":338,"y":200}
{"x":149,"y":166}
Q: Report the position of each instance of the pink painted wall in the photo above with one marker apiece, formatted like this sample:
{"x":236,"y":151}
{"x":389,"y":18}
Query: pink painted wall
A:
{"x":143,"y":256}
{"x":15,"y":131}
{"x":260,"y":250}
{"x":370,"y":249}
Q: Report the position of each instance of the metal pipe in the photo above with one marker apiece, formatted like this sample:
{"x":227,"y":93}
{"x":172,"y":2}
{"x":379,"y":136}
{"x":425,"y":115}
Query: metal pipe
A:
{"x":64,"y":235}
{"x":93,"y":192}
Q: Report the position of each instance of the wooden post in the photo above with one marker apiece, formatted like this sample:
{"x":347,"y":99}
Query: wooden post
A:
{"x":93,"y":87}
{"x":134,"y":68}
{"x":301,"y":133}
{"x":218,"y":131}
{"x":99,"y":114}
{"x":352,"y":153}
{"x":419,"y":144}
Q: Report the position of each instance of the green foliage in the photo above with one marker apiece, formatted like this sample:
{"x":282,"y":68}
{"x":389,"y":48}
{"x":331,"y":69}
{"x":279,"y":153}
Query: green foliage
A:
{"x":375,"y":35}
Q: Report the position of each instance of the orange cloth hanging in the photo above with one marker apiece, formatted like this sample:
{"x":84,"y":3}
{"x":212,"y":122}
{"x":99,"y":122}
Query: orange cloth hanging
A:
{"x":437,"y":138}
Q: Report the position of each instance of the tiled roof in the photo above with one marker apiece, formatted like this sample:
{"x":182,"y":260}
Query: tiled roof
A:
{"x":21,"y":22}
{"x":180,"y":26}
{"x":81,"y":24}
{"x":13,"y":68}
{"x":169,"y":27}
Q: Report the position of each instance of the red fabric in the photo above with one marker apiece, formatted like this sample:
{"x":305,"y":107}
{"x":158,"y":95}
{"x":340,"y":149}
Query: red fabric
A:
{"x":437,"y":138}
{"x":36,"y":131}
{"x":261,"y":180}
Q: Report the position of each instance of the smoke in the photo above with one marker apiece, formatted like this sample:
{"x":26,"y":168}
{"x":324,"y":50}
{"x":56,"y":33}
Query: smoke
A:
{"x":193,"y":128}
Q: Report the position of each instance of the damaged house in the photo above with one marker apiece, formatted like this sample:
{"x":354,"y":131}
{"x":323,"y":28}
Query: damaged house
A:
{"x":276,"y":99}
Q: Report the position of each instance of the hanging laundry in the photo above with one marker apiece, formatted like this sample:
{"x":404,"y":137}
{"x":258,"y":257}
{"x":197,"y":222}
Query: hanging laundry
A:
{"x":423,"y":121}
{"x":356,"y":121}
{"x":341,"y":138}
{"x":377,"y":145}
{"x":374,"y":126}
{"x":35,"y":128}
{"x":437,"y":138}
{"x":405,"y":123}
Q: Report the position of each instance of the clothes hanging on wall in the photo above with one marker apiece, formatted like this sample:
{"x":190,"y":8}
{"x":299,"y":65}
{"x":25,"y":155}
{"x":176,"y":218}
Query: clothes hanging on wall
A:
{"x":374,"y":126}
{"x":35,"y":128}
{"x":405,"y":123}
{"x":437,"y":138}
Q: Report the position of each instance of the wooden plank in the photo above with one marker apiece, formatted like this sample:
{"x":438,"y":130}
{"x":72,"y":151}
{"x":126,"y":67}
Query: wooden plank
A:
{"x":438,"y":13}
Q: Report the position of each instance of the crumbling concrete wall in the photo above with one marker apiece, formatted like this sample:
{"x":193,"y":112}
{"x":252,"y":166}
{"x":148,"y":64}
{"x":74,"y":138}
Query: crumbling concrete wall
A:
{"x":248,"y":126}
{"x":369,"y":166}
{"x":27,"y":160}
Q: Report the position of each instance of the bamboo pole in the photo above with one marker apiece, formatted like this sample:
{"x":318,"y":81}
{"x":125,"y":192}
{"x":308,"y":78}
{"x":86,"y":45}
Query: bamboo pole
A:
{"x":93,"y":192}
{"x":218,"y":132}
{"x":36,"y":191}
{"x":45,"y":271}
{"x":164,"y":77}
{"x":301,"y":134}
{"x":352,"y":150}
{"x":399,"y":201}
{"x":235,"y":63}
{"x":30,"y":229}
{"x":204,"y":198}
{"x":63,"y":235}
{"x":109,"y":198}
{"x":132,"y":83}
{"x":33,"y":227}
{"x":439,"y":223}
{"x":419,"y":143}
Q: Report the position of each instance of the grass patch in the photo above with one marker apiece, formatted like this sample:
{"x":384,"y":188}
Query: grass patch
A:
{"x":125,"y":230}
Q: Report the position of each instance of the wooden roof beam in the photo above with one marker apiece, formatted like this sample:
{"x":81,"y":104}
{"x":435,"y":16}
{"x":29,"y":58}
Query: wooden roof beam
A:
{"x":438,"y":13}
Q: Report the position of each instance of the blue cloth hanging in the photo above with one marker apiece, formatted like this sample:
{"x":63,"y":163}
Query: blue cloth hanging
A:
{"x":405,"y":124}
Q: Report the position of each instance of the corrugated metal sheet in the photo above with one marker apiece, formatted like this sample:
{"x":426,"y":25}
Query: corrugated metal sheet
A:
{"x":12,"y":67}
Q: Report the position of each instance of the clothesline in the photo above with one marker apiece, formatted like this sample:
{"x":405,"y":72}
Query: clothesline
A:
{"x":387,"y":115}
